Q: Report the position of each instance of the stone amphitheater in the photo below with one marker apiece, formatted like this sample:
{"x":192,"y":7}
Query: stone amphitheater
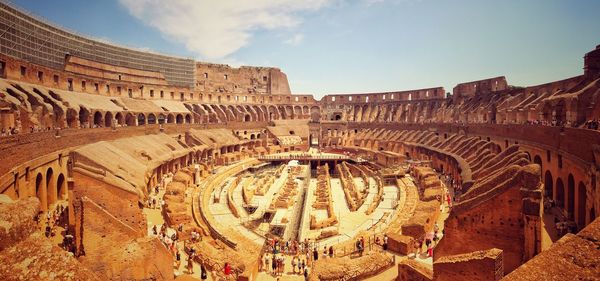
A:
{"x":119,"y":164}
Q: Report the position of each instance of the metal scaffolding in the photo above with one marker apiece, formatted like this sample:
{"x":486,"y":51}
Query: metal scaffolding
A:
{"x":32,"y":39}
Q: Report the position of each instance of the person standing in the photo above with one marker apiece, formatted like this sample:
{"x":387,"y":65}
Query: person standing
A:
{"x":227,"y":270}
{"x":190,"y":264}
{"x":385,"y":242}
{"x":315,"y":254}
{"x":177,"y":260}
{"x":203,"y":274}
{"x":266,"y":268}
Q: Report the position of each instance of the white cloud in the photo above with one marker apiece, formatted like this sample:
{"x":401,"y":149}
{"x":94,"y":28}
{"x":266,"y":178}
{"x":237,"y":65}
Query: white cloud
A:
{"x":295,"y":40}
{"x":372,"y":2}
{"x":217,"y":29}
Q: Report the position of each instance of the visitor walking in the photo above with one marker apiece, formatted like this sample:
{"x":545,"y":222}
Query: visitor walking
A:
{"x":190,"y":265}
{"x":203,"y":273}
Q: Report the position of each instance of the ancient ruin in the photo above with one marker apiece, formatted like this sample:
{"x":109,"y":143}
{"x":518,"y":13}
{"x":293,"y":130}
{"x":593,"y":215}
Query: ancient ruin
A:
{"x":119,"y":164}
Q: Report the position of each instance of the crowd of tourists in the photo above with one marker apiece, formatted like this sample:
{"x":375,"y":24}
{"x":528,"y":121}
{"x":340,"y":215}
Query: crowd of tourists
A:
{"x":51,"y":220}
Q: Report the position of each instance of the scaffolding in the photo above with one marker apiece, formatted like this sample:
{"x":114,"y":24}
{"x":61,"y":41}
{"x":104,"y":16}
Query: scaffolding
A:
{"x":30,"y":38}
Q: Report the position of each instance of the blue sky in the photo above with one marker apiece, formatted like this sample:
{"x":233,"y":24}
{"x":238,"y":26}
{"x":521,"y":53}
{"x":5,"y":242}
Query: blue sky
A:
{"x":344,"y":46}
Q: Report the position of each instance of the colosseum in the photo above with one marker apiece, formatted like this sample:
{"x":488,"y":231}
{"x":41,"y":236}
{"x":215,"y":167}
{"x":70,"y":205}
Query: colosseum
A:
{"x":120,"y":164}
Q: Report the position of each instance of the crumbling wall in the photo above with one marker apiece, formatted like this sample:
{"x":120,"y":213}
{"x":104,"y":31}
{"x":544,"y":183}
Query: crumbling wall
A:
{"x":475,"y":266}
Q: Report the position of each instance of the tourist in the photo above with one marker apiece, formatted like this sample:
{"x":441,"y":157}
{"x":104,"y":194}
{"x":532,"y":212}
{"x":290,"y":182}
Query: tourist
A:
{"x":227,"y":270}
{"x":324,"y":252}
{"x":274,"y":264}
{"x":190,"y":264}
{"x":177,"y":259}
{"x":265,"y":264}
{"x":362,"y":243}
{"x":331,"y":251}
{"x":305,"y":273}
{"x":385,"y":242}
{"x":203,"y":274}
{"x":315,"y":254}
{"x":430,"y":250}
{"x":294,"y":264}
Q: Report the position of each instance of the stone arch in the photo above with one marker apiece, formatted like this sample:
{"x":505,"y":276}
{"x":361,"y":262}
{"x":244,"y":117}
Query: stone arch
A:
{"x":170,"y":119}
{"x":247,"y":118}
{"x":548,"y":184}
{"x":84,"y":117}
{"x":61,"y":187}
{"x":141,"y":119}
{"x":179,"y":119}
{"x":108,"y":119}
{"x":571,"y":195}
{"x":40,"y":191}
{"x":161,"y":118}
{"x":98,"y":119}
{"x":315,"y":114}
{"x":297,"y":112}
{"x":188,"y":118}
{"x":119,"y":118}
{"x":581,"y":204}
{"x":130,"y":119}
{"x":273,"y":114}
{"x":151,"y":118}
{"x":50,"y":186}
{"x":538,"y":160}
{"x":560,"y":193}
{"x":71,"y":118}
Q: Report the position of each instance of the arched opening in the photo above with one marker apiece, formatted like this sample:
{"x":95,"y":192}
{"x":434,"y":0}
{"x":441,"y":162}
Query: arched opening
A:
{"x":151,"y":118}
{"x":84,"y":117}
{"x":560,"y":193}
{"x":129,"y":119}
{"x":161,"y":118}
{"x":570,"y":196}
{"x":50,"y":187}
{"x":71,"y":118}
{"x":548,"y":184}
{"x":581,"y":205}
{"x":61,"y":186}
{"x":108,"y":120}
{"x":170,"y":119}
{"x":538,"y":160}
{"x":119,"y":118}
{"x":141,"y":119}
{"x":188,"y":119}
{"x":40,"y":191}
{"x":98,"y":119}
{"x":252,"y":136}
{"x":179,"y":119}
{"x":247,"y":118}
{"x":337,"y":117}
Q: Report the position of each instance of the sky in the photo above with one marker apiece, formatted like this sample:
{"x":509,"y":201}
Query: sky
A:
{"x":346,"y":46}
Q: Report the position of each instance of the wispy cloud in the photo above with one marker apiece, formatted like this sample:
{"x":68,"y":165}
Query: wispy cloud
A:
{"x":372,"y":2}
{"x":217,"y":29}
{"x":295,"y":40}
